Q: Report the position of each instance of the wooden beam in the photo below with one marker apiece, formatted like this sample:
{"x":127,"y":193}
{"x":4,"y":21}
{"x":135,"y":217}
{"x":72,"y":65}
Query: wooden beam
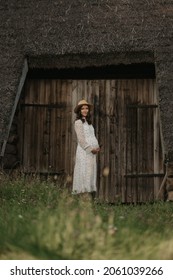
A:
{"x":140,"y":175}
{"x":19,"y":90}
{"x":142,"y":106}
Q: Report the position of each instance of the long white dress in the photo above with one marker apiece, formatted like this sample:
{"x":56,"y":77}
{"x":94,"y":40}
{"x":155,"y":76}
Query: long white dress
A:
{"x":85,"y":170}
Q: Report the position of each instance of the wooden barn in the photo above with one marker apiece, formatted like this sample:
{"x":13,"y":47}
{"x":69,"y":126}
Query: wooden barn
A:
{"x":115,"y":54}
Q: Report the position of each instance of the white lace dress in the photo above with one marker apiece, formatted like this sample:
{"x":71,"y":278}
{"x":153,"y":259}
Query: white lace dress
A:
{"x":85,"y":170}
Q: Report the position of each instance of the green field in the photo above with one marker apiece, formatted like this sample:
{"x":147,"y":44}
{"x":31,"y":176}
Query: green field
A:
{"x":40,"y":220}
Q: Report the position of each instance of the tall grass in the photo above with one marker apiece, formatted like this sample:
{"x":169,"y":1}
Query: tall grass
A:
{"x":39,"y":220}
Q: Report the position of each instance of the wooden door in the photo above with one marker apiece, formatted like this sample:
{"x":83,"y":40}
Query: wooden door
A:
{"x":45,"y":120}
{"x":130,"y":134}
{"x":126,"y":121}
{"x":144,"y":169}
{"x":143,"y":157}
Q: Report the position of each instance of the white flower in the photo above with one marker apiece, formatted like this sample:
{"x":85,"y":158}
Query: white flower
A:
{"x":121,"y":217}
{"x":20,"y":216}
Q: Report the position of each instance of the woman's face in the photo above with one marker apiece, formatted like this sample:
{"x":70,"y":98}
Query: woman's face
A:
{"x":84,"y":111}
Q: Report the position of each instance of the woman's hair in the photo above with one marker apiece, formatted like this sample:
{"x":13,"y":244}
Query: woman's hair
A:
{"x":88,"y":117}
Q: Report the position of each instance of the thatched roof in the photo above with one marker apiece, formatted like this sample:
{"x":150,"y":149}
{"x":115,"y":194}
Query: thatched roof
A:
{"x":80,"y":33}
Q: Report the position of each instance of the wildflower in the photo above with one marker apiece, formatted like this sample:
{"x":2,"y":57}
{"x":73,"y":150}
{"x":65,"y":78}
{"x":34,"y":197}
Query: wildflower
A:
{"x":105,"y":171}
{"x":112,"y":229}
{"x":55,"y":177}
{"x":20,"y":216}
{"x":121,"y":217}
{"x":69,"y":179}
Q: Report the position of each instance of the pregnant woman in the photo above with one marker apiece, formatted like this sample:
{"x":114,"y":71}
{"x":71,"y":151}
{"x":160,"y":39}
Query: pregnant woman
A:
{"x":85,"y":170}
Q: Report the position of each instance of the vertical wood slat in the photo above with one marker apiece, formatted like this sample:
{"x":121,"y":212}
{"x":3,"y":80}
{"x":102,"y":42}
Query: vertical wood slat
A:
{"x":156,"y":146}
{"x":74,"y":102}
{"x":68,"y":131}
{"x":59,"y":128}
{"x":102,"y":140}
{"x":53,"y":127}
{"x":113,"y":191}
{"x":123,"y":91}
{"x":107,"y":135}
{"x":44,"y":128}
{"x":96,"y":122}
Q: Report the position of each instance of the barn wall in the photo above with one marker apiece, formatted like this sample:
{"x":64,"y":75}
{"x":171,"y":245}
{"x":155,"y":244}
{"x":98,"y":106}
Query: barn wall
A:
{"x":126,"y":122}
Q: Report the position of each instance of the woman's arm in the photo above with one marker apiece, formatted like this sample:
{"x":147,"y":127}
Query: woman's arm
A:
{"x":81,"y":136}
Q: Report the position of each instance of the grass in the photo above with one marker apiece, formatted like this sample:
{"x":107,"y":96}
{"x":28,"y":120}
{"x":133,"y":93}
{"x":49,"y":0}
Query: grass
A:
{"x":39,"y":220}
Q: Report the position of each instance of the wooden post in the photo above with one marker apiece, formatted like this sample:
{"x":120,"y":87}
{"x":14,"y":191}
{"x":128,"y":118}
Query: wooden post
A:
{"x":169,"y":181}
{"x":156,"y":151}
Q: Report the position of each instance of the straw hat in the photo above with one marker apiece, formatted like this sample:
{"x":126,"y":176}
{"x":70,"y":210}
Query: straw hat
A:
{"x":82,"y":103}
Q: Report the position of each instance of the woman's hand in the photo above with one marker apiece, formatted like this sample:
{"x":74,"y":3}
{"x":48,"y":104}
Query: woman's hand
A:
{"x":95,"y":151}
